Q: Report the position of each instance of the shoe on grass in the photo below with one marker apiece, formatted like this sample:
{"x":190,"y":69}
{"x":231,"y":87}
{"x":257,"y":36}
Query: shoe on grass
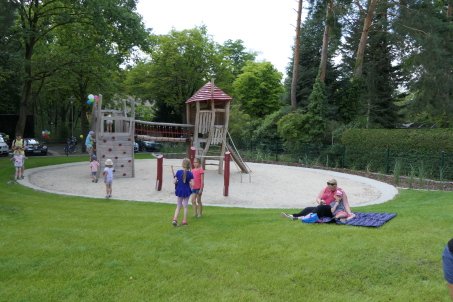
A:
{"x":286,"y":215}
{"x":174,"y":223}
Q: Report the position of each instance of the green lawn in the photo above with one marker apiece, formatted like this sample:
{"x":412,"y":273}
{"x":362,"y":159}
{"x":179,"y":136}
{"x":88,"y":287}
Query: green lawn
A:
{"x":59,"y":248}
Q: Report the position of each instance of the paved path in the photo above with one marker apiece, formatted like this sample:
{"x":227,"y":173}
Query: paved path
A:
{"x":270,"y":186}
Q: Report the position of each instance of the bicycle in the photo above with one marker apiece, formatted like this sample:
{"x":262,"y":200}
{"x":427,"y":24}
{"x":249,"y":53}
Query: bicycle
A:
{"x":71,"y":145}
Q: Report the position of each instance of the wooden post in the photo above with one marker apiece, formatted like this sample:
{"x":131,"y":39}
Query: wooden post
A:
{"x":192,"y":154}
{"x":226,"y":115}
{"x":96,"y":119}
{"x":132,"y":134}
{"x":196,"y":129}
{"x":226,"y":174}
{"x":187,"y":113}
{"x":160,"y":166}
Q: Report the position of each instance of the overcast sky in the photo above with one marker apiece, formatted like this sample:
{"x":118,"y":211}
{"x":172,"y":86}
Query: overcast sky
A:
{"x":265,"y":26}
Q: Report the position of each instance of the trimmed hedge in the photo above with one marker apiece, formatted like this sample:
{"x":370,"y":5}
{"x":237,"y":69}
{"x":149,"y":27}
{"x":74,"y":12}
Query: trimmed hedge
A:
{"x":421,"y":140}
{"x":426,"y":153}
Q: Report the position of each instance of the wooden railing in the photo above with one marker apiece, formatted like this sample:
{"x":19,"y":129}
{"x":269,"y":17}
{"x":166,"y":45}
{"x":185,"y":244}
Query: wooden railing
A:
{"x":163,"y":131}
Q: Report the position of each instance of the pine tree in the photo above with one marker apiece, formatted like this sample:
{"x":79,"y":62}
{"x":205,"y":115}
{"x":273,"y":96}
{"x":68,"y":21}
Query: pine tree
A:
{"x":426,"y":33}
{"x":379,"y":76}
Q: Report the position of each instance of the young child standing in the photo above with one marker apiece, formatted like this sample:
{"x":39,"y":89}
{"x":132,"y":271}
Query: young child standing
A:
{"x":197,"y":188}
{"x":19,"y":145}
{"x":108,"y":177}
{"x":94,"y":167}
{"x":18,"y":159}
{"x":183,"y":180}
{"x":337,"y":207}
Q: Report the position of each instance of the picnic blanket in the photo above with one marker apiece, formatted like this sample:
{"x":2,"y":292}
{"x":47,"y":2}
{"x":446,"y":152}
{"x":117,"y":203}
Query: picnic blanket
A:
{"x":363,"y":219}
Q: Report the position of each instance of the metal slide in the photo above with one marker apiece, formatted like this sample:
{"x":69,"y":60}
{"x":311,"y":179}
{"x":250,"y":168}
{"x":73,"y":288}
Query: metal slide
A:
{"x":237,"y":157}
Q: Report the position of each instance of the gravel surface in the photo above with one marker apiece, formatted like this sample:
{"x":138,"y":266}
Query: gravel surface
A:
{"x":269,"y":186}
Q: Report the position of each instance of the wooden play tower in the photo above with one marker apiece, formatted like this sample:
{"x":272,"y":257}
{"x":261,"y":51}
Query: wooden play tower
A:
{"x":209,"y":111}
{"x":115,"y":131}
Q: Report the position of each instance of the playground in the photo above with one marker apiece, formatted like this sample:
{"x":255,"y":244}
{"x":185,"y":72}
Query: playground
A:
{"x":206,"y":135}
{"x":269,"y":186}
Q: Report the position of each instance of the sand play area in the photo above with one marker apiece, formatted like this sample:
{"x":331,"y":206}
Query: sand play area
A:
{"x":269,"y":186}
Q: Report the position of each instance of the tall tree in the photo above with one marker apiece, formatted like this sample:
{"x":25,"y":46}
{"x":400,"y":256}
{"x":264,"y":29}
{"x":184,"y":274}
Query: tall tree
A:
{"x":39,"y":18}
{"x":309,"y":56}
{"x":258,"y":89}
{"x":426,"y":53}
{"x":379,"y":74}
{"x":232,"y":56}
{"x":367,"y":22}
{"x":234,"y":53}
{"x":10,"y":54}
{"x":181,"y":63}
{"x":325,"y":41}
{"x":295,"y":75}
{"x":84,"y":64}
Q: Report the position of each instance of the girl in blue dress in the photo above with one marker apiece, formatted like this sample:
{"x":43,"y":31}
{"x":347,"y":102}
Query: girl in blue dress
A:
{"x":183,"y":180}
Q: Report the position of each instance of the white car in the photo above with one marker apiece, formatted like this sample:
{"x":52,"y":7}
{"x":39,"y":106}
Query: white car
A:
{"x":4,"y":149}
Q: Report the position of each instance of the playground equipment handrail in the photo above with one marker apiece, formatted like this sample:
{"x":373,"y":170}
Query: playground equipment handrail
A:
{"x":164,"y":124}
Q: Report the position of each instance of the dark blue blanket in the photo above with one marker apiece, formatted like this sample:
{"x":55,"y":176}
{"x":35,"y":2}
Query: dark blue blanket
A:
{"x":364,"y":219}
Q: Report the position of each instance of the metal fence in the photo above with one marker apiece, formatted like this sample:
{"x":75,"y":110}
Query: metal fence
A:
{"x":412,"y":163}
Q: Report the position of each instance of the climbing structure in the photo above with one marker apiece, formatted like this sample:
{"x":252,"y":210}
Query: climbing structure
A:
{"x":209,"y":111}
{"x":115,"y":136}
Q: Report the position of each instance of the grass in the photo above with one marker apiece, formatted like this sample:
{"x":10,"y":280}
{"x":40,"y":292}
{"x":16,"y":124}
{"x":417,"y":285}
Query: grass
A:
{"x":61,"y":248}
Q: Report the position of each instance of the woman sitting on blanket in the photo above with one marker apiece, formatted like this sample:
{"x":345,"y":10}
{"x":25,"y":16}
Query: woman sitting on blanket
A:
{"x":325,"y":198}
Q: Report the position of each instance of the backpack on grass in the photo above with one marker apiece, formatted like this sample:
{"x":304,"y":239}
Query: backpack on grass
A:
{"x":310,"y":218}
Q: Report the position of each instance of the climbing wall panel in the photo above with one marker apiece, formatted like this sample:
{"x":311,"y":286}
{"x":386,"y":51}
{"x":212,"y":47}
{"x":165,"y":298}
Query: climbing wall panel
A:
{"x":120,"y":150}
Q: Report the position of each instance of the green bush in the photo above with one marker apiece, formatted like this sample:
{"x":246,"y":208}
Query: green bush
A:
{"x":420,"y":140}
{"x":429,"y":150}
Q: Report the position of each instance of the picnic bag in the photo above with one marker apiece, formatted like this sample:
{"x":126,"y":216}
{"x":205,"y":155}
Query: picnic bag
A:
{"x":310,"y":218}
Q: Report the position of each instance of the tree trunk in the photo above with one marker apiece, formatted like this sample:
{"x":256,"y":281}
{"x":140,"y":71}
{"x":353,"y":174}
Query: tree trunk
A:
{"x":325,"y":42}
{"x":450,"y":9}
{"x":296,"y":59}
{"x":23,"y":107}
{"x":364,"y":37}
{"x":26,"y":89}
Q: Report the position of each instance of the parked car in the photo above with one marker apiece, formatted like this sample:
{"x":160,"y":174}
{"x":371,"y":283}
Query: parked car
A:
{"x":136,"y":147}
{"x":4,"y":149}
{"x":34,"y":147}
{"x":152,"y":146}
{"x":5,"y":138}
{"x":149,"y":146}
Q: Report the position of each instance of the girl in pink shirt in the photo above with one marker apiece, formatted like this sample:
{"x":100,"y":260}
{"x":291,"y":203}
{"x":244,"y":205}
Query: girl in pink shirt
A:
{"x":94,"y":167}
{"x":197,"y":188}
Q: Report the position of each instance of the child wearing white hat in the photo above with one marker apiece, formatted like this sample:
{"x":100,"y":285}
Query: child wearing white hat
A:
{"x":108,"y":177}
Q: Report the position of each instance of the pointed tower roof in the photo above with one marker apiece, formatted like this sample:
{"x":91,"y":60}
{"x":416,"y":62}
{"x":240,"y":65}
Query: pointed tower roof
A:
{"x":209,"y":92}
